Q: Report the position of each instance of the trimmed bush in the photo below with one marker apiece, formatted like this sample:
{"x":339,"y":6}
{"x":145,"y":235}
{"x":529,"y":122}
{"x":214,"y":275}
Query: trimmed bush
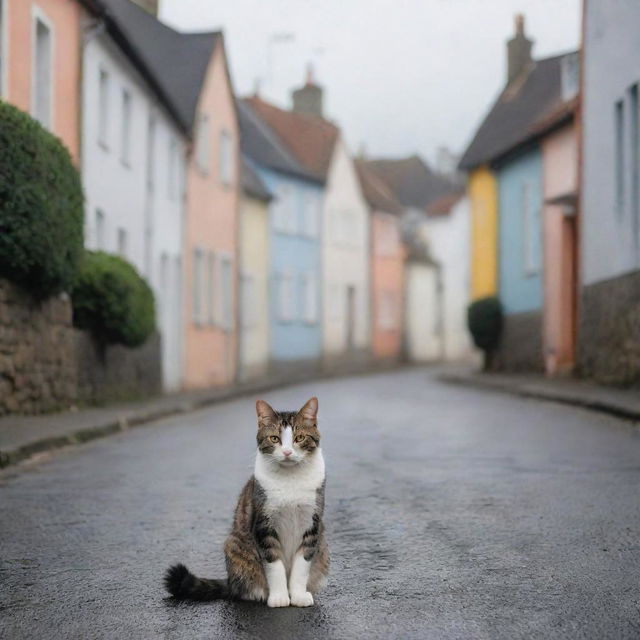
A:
{"x":113,"y":301}
{"x":484,"y":319}
{"x":41,"y":207}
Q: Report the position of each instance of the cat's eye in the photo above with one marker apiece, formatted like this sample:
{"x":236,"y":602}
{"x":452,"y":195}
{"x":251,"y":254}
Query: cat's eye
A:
{"x":274,"y":438}
{"x":300,"y":438}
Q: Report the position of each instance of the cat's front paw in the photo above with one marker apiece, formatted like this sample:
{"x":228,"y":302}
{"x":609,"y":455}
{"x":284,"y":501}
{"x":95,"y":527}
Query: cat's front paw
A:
{"x":302,"y":599}
{"x":278,"y":599}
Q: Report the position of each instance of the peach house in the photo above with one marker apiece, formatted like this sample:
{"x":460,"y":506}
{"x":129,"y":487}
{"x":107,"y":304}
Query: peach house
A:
{"x":211,"y":237}
{"x":40,"y":53}
{"x":387,"y":265}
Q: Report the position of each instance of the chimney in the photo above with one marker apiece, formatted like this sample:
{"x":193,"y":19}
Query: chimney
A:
{"x":308,"y":99}
{"x":150,"y":6}
{"x":518,"y":51}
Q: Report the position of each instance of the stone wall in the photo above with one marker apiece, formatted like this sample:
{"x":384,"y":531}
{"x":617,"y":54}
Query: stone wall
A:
{"x":520,"y":347}
{"x":609,"y":336}
{"x":116,"y":372}
{"x":37,"y":355}
{"x":47,"y":365}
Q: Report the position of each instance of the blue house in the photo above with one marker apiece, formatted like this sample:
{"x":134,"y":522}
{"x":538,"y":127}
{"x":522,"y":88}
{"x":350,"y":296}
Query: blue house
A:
{"x":295,"y":245}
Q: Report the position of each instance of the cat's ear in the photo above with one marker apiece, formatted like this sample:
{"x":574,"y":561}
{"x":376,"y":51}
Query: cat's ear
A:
{"x":265,"y":413}
{"x":310,"y":410}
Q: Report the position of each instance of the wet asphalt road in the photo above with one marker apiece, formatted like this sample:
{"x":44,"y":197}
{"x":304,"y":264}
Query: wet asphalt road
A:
{"x":451,"y":513}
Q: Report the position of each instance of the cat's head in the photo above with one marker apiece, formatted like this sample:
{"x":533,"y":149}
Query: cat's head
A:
{"x":288,"y":437}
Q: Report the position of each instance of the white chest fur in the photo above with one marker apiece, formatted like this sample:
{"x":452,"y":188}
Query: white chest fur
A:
{"x":290,"y":498}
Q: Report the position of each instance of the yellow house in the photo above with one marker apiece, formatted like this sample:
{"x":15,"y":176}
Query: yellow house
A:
{"x":483,"y":196}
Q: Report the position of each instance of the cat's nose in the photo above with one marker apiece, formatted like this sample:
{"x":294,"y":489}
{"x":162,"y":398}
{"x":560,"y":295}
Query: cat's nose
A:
{"x":287,"y":452}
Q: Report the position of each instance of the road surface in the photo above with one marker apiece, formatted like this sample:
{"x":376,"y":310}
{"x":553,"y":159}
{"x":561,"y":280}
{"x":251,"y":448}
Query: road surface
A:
{"x":451,"y":513}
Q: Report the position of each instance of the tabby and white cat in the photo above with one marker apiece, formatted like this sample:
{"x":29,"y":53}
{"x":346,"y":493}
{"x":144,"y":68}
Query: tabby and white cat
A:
{"x":276,"y":550}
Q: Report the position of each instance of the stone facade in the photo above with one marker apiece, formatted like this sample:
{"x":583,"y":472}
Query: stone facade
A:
{"x":520,"y":347}
{"x":37,"y":354}
{"x":47,"y":365}
{"x":609,"y":336}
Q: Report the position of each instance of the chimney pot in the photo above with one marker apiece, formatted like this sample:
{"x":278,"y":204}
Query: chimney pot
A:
{"x":518,"y":51}
{"x":308,"y":99}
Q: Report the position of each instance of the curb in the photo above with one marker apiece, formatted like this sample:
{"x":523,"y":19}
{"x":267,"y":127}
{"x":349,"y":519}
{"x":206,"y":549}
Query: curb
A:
{"x":558,"y":396}
{"x":135,"y":418}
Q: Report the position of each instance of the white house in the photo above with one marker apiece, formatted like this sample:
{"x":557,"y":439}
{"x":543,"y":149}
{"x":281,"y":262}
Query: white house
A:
{"x":133,"y":165}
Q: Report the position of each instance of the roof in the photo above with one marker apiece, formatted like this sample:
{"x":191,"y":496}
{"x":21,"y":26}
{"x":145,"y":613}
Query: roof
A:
{"x":511,"y":121}
{"x":261,"y":144}
{"x":252,"y":185}
{"x":444,"y":204}
{"x":311,"y":139}
{"x":175,"y":63}
{"x":375,"y":190}
{"x":413,"y":183}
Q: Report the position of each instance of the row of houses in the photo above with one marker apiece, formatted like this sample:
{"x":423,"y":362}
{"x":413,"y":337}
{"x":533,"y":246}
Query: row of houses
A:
{"x":553,"y":175}
{"x":267,"y":244}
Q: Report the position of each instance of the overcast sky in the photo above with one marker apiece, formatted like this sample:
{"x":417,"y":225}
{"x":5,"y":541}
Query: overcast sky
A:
{"x":400,"y":76}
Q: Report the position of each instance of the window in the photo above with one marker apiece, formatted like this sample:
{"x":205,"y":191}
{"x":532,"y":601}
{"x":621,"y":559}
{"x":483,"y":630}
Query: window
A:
{"x":635,"y":163}
{"x":309,"y":298}
{"x":198,"y":285}
{"x":226,"y":158}
{"x":247,"y":293}
{"x":125,"y":134}
{"x":284,"y":210}
{"x":122,"y":242}
{"x":531,"y":231}
{"x":3,"y":49}
{"x":151,"y":148}
{"x":202,"y":144}
{"x":210,"y":288}
{"x":285,"y":297}
{"x":100,"y":230}
{"x":172,"y":169}
{"x":226,"y":274}
{"x":103,"y":108}
{"x":42,"y":73}
{"x":619,"y":155}
{"x":309,"y":215}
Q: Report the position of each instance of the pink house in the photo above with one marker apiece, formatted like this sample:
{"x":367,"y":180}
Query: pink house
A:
{"x":387,"y":257}
{"x":40,"y":52}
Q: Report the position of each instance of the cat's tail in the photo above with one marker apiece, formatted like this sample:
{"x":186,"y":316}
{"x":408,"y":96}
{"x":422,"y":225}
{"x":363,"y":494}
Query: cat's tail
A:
{"x":183,"y":585}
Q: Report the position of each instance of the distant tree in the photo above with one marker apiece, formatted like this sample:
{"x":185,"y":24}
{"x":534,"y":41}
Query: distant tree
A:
{"x":484,"y":319}
{"x":41,"y":207}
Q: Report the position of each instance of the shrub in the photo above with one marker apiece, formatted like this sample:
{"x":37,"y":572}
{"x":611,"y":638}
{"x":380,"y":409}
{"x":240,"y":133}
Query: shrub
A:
{"x":484,"y":318}
{"x":112,"y":301}
{"x":41,"y":206}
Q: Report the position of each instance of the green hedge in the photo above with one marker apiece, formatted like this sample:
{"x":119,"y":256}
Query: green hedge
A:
{"x":113,"y":301}
{"x":41,"y":206}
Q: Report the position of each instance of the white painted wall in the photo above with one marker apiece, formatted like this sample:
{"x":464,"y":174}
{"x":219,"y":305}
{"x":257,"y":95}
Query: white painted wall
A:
{"x":143,"y":197}
{"x":449,"y":240}
{"x":345,"y":257}
{"x":610,"y":234}
{"x":421,"y":318}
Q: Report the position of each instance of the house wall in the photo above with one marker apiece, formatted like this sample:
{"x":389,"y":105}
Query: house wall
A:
{"x":423,"y":338}
{"x":140,"y":199}
{"x":483,"y":198}
{"x":212,"y":211}
{"x":449,"y":241}
{"x":610,"y":234}
{"x":520,"y":244}
{"x":560,"y":167}
{"x":64,"y":18}
{"x":296,"y":337}
{"x":254,"y":287}
{"x":345,"y":261}
{"x":387,"y":277}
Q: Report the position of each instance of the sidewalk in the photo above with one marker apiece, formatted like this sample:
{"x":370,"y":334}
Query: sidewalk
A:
{"x":618,"y":402}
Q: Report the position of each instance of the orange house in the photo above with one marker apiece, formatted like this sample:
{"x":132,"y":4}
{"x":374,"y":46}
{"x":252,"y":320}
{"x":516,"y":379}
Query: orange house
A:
{"x":387,"y":265}
{"x":40,"y":52}
{"x":211,"y":234}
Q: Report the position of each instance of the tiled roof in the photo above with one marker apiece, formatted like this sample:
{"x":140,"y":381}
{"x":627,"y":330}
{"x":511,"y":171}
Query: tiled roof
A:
{"x":310,"y":139}
{"x":252,"y":185}
{"x":512,"y":119}
{"x":261,"y":144}
{"x":376,"y":192}
{"x":174,"y":63}
{"x":413,"y":183}
{"x":444,"y":204}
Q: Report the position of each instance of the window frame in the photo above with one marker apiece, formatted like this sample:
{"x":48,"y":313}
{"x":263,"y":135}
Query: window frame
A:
{"x":39,"y":16}
{"x":226,"y":158}
{"x":126,"y":123}
{"x":100,"y":229}
{"x":619,"y":156}
{"x":104,"y":106}
{"x":203,"y":144}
